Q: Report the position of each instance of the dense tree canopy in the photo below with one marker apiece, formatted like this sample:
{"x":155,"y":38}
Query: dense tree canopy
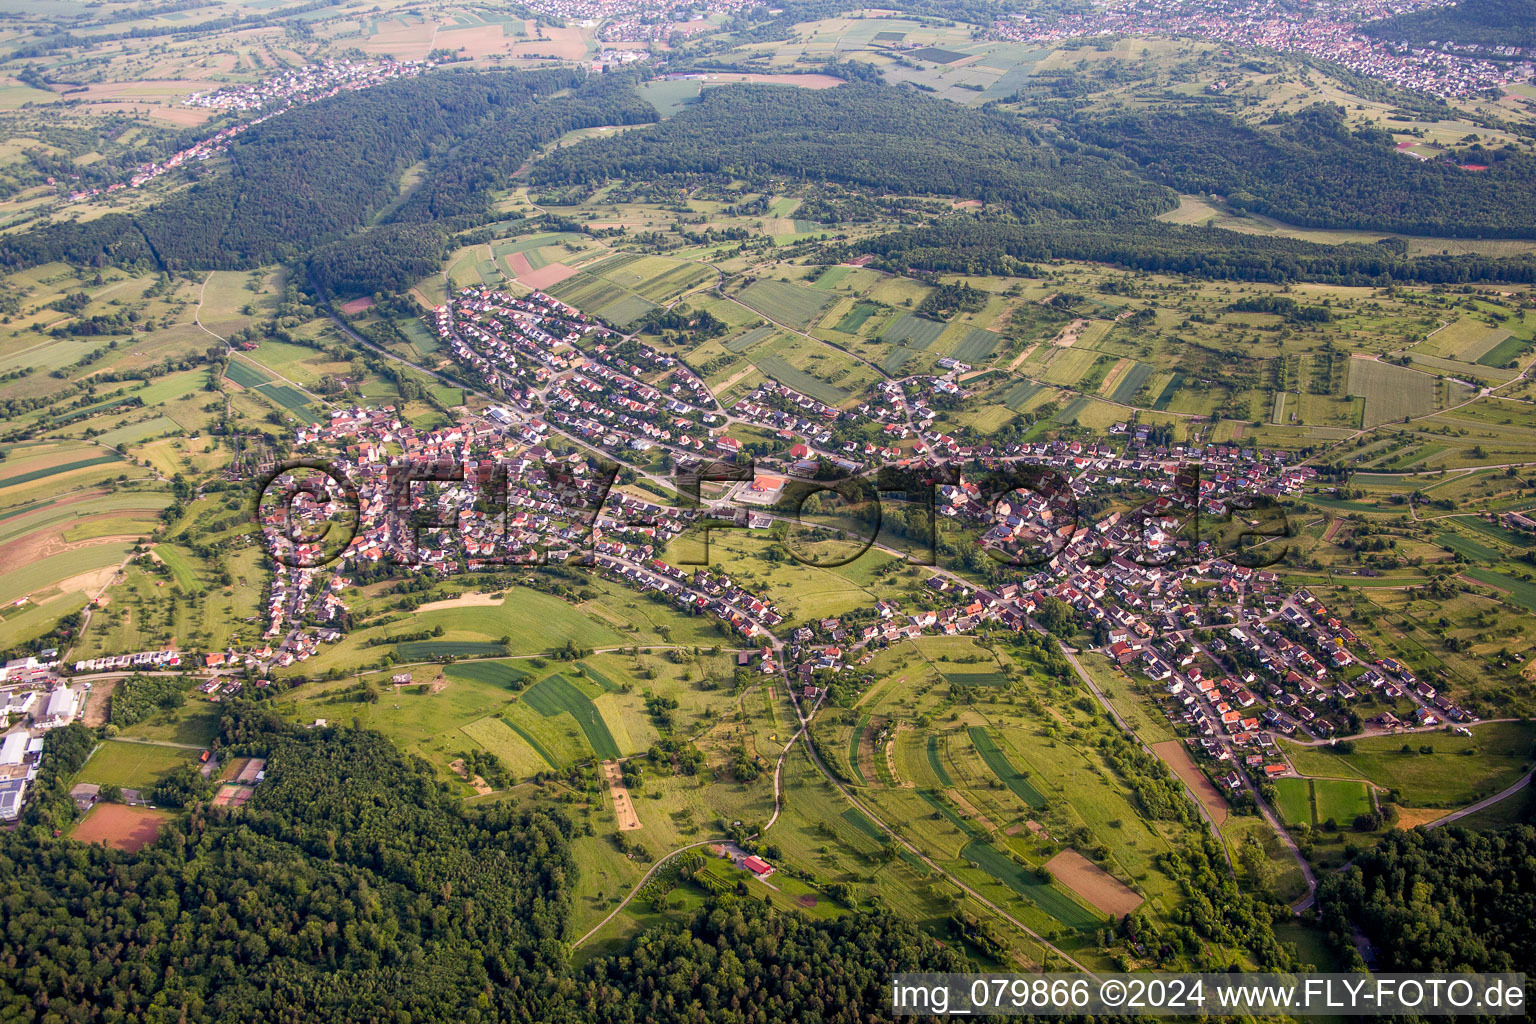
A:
{"x":321,"y":172}
{"x":890,"y":139}
{"x":353,"y":887}
{"x":1447,"y":900}
{"x":1310,"y":169}
{"x":737,"y":964}
{"x":350,"y":887}
{"x":970,"y":245}
{"x":390,"y":258}
{"x":458,"y":187}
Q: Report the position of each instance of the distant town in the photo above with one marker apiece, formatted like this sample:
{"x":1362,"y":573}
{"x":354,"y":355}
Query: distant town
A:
{"x":265,"y":99}
{"x":1327,"y":31}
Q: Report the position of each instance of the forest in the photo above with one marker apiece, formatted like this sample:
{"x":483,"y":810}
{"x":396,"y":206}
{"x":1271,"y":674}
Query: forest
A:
{"x":326,"y":170}
{"x":350,"y":887}
{"x":1444,"y":900}
{"x":1311,"y":170}
{"x":1470,"y":23}
{"x":873,"y":136}
{"x":353,"y":887}
{"x":320,"y":186}
{"x":387,"y":258}
{"x":970,"y":245}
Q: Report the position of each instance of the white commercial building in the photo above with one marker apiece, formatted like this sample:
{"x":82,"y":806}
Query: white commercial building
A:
{"x":63,"y":703}
{"x":14,"y":748}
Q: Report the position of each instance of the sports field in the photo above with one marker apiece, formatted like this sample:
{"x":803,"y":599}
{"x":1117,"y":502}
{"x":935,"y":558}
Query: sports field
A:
{"x":1316,"y":801}
{"x":1293,"y":799}
{"x":121,"y":827}
{"x":1340,"y":800}
{"x":132,"y":765}
{"x":1456,"y":771}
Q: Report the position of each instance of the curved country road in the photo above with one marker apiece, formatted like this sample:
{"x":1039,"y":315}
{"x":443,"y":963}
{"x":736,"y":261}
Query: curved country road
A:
{"x":1484,"y":803}
{"x":641,"y":885}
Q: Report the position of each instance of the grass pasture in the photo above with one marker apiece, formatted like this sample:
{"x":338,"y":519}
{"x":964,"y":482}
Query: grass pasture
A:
{"x":1067,"y":366}
{"x":913,"y":332}
{"x":497,"y":673}
{"x":431,"y":650}
{"x":1391,"y":392}
{"x":288,"y":398}
{"x":790,"y":304}
{"x":976,"y":347}
{"x":245,"y":375}
{"x":1030,"y":885}
{"x":937,"y":764}
{"x":1466,"y":339}
{"x":1010,"y":776}
{"x":780,"y":370}
{"x":1455,"y":771}
{"x":855,"y":318}
{"x":1507,"y":350}
{"x":555,"y":695}
{"x":746,"y":340}
{"x":496,"y":736}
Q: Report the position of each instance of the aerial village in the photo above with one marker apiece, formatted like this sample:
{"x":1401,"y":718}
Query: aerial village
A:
{"x":1259,"y":661}
{"x":1329,"y":31}
{"x":579,"y":402}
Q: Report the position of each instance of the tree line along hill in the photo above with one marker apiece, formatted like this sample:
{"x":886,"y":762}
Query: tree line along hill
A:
{"x":320,"y":185}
